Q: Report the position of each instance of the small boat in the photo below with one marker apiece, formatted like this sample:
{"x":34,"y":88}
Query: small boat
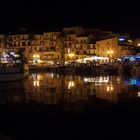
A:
{"x":12,"y":67}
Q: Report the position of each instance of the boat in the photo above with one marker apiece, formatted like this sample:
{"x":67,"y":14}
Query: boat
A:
{"x":12,"y":67}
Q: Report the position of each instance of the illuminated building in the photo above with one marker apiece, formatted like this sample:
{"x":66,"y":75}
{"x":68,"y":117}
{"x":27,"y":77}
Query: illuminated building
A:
{"x":69,"y":44}
{"x":32,"y":43}
{"x":84,"y":46}
{"x":107,"y":48}
{"x":53,"y":44}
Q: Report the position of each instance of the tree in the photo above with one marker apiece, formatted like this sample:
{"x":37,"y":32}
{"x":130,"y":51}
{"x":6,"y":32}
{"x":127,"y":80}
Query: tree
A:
{"x":23,"y":59}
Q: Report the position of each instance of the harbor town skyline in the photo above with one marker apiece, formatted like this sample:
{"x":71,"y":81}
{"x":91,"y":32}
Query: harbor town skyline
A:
{"x":72,"y":43}
{"x":69,"y":69}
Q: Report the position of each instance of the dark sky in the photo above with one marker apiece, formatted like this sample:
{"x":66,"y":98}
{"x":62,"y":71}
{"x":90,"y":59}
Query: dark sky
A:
{"x":42,"y":15}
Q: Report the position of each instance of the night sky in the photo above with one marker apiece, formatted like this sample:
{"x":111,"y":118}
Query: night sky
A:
{"x":39,"y":16}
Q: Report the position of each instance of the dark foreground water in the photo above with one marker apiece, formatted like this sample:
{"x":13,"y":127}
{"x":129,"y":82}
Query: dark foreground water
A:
{"x":46,"y":105}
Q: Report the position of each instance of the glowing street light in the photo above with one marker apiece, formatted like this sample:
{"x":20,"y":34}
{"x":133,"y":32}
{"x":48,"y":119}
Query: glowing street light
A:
{"x":36,"y":57}
{"x":111,"y":52}
{"x":138,"y":44}
{"x":71,"y":55}
{"x":107,"y":52}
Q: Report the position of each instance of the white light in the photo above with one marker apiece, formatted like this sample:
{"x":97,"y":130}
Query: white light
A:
{"x":138,"y":93}
{"x":70,"y":84}
{"x":52,"y":75}
{"x":85,"y":79}
{"x":121,"y":39}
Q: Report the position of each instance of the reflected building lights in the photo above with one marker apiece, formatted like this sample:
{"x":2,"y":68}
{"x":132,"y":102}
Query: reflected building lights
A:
{"x":109,"y":88}
{"x":118,"y":80}
{"x":97,"y":80}
{"x":36,"y":83}
{"x":57,"y":76}
{"x":52,"y":75}
{"x":37,"y":76}
{"x":138,"y":93}
{"x":71,"y":84}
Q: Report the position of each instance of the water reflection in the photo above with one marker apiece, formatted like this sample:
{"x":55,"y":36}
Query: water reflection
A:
{"x":50,"y":88}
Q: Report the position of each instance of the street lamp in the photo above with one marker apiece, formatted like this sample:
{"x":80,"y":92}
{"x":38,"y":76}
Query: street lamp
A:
{"x":110,"y":53}
{"x":36,"y":57}
{"x":71,"y":56}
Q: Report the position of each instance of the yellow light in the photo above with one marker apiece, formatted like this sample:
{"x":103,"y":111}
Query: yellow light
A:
{"x":129,"y":40}
{"x":138,"y":94}
{"x":108,"y":52}
{"x":40,"y":77}
{"x":36,"y":84}
{"x":71,"y":84}
{"x":108,"y":88}
{"x":138,"y":44}
{"x":111,"y":88}
{"x":36,"y":56}
{"x":71,"y":55}
{"x":111,"y":52}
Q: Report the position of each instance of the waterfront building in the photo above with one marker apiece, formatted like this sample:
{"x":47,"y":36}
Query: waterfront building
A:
{"x":107,"y":47}
{"x":53,"y":44}
{"x":69,"y":44}
{"x":85,"y":46}
{"x":33,"y":44}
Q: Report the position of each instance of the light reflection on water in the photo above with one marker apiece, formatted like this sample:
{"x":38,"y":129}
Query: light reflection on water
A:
{"x":50,"y":88}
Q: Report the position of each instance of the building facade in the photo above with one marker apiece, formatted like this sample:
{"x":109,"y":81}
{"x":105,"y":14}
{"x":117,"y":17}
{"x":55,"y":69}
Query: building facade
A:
{"x":69,"y":44}
{"x":107,"y":48}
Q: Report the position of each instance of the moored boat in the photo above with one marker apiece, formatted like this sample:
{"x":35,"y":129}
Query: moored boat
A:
{"x":12,"y":66}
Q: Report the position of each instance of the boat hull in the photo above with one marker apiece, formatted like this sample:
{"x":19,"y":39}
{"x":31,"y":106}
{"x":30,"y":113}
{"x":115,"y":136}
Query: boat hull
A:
{"x":11,"y":77}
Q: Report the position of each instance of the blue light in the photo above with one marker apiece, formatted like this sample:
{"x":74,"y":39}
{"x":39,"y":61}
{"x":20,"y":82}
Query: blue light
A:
{"x":133,"y":81}
{"x":121,"y":39}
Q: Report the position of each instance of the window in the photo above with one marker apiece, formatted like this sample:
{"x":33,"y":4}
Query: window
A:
{"x":91,"y":46}
{"x":29,"y":43}
{"x":23,"y":43}
{"x":52,"y":48}
{"x":84,"y":52}
{"x":77,"y":52}
{"x":40,"y":49}
{"x":77,"y":46}
{"x":29,"y":50}
{"x":35,"y":48}
{"x":70,"y":44}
